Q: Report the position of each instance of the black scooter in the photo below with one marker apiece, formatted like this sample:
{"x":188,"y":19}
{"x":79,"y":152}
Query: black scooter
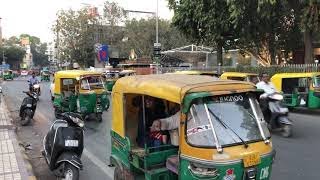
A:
{"x":63,"y":146}
{"x":28,"y":107}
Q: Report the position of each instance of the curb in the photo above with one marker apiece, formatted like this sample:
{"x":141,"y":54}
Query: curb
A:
{"x":26,"y":169}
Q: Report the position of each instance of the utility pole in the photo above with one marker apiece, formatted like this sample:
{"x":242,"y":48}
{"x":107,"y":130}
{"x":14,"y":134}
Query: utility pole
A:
{"x":157,"y":23}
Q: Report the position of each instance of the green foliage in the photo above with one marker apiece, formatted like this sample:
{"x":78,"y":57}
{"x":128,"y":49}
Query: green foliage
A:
{"x":207,"y":22}
{"x":13,"y":54}
{"x":39,"y":54}
{"x":141,"y":34}
{"x":75,"y":36}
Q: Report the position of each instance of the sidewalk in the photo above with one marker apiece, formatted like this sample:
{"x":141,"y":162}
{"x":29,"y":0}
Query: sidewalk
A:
{"x":13,"y":165}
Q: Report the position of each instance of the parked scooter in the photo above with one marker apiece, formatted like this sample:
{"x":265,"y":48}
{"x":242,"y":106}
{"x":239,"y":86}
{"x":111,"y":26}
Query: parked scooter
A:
{"x":276,"y":114}
{"x":63,"y":146}
{"x":28,"y":107}
{"x":36,"y":89}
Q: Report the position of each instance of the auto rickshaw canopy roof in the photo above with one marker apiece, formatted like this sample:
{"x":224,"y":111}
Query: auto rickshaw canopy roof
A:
{"x":74,"y":74}
{"x":237,"y":74}
{"x":191,"y":72}
{"x":174,"y":87}
{"x":295,"y":75}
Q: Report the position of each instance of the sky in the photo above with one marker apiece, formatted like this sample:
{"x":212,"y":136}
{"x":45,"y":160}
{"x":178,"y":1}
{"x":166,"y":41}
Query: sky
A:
{"x":36,"y":17}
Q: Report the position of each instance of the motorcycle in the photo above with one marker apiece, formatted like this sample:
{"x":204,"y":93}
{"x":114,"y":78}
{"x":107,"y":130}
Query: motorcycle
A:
{"x":276,"y":114}
{"x":63,"y":146}
{"x":28,"y":107}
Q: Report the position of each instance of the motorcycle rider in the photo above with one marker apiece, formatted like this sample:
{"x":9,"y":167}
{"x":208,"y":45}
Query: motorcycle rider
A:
{"x":268,"y":89}
{"x":266,"y":85}
{"x":33,"y":80}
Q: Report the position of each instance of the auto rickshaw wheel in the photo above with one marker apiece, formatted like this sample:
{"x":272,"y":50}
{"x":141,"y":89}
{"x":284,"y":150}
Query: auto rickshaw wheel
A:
{"x":122,"y":174}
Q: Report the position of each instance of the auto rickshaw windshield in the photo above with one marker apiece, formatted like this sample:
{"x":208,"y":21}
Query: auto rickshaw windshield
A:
{"x":91,"y":83}
{"x":234,"y":119}
{"x":316,"y":82}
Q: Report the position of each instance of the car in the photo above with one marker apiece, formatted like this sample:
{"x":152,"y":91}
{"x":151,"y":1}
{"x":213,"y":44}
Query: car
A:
{"x":24,"y":73}
{"x":52,"y":89}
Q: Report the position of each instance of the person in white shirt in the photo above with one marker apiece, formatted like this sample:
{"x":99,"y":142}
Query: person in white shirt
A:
{"x":266,"y":85}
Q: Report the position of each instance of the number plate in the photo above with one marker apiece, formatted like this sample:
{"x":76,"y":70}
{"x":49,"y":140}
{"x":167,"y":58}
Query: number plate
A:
{"x":251,"y":159}
{"x":71,"y":143}
{"x":29,"y":105}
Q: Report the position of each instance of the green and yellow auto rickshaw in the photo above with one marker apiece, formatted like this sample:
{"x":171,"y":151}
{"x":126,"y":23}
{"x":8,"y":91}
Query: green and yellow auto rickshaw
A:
{"x":299,"y":89}
{"x":45,"y":75}
{"x":80,"y":91}
{"x":194,"y":72}
{"x":239,"y":76}
{"x":7,"y":75}
{"x":215,"y":129}
{"x":110,"y":79}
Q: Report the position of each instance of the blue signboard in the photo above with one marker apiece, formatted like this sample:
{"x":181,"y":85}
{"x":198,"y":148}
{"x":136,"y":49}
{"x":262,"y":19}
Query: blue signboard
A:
{"x":5,"y":66}
{"x":103,"y":55}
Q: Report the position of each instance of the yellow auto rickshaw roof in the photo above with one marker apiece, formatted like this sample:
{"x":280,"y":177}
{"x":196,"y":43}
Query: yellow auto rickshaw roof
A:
{"x":173,"y":87}
{"x":294,"y":75}
{"x":74,"y":73}
{"x":238,"y":74}
{"x":193,"y":72}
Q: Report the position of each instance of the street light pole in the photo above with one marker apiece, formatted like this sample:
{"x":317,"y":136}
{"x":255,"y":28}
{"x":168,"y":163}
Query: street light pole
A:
{"x":157,"y":23}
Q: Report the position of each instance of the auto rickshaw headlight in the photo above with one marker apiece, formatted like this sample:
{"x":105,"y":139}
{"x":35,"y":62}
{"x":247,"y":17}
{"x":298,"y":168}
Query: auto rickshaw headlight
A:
{"x":202,"y":170}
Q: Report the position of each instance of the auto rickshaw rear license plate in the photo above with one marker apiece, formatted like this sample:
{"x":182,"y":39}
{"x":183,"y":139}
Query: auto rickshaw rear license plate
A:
{"x":251,"y":159}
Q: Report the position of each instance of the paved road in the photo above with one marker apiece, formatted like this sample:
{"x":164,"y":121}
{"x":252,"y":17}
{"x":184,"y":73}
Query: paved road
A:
{"x":297,"y":157}
{"x":96,"y":152}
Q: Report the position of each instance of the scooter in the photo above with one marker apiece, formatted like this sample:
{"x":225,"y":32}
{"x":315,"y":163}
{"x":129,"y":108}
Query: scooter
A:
{"x":28,"y":107}
{"x":276,"y":114}
{"x":63,"y":146}
{"x":36,"y":89}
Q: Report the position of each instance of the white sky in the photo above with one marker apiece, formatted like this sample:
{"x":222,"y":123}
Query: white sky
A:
{"x":35,"y":17}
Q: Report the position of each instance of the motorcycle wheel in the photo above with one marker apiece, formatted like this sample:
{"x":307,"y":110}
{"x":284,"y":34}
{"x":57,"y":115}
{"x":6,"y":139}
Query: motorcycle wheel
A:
{"x":99,"y":117}
{"x":286,"y":131}
{"x":70,"y":173}
{"x":25,"y":120}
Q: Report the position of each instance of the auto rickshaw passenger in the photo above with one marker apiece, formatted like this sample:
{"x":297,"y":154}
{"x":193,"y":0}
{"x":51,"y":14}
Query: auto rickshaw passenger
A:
{"x":154,"y":109}
{"x":157,"y":137}
{"x":171,"y":124}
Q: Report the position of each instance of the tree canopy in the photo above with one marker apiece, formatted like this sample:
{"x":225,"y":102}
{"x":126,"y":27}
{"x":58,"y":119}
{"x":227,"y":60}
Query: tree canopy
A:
{"x":262,"y":28}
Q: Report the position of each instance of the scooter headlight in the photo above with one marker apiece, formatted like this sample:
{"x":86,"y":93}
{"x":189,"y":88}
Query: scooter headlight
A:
{"x":36,"y":86}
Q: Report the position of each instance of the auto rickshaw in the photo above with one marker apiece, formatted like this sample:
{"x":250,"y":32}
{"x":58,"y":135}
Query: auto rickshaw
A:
{"x":80,"y":91}
{"x":45,"y":75}
{"x":191,"y":72}
{"x":127,"y":72}
{"x":110,"y":78}
{"x":220,"y":131}
{"x":7,"y":75}
{"x":239,"y":76}
{"x":299,"y":89}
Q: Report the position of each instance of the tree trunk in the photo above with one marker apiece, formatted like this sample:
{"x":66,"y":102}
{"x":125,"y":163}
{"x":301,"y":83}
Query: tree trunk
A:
{"x":219,"y":53}
{"x":308,"y":47}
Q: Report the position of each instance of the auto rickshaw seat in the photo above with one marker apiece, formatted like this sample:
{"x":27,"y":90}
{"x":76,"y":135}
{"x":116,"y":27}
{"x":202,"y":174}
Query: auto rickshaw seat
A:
{"x":172,"y":164}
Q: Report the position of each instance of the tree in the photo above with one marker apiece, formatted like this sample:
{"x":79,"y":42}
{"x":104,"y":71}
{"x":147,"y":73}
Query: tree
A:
{"x":14,"y":55}
{"x":141,"y":35}
{"x":310,"y":23}
{"x":206,"y":22}
{"x":75,"y":36}
{"x":265,"y":28}
{"x":38,"y":50}
{"x":39,"y":54}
